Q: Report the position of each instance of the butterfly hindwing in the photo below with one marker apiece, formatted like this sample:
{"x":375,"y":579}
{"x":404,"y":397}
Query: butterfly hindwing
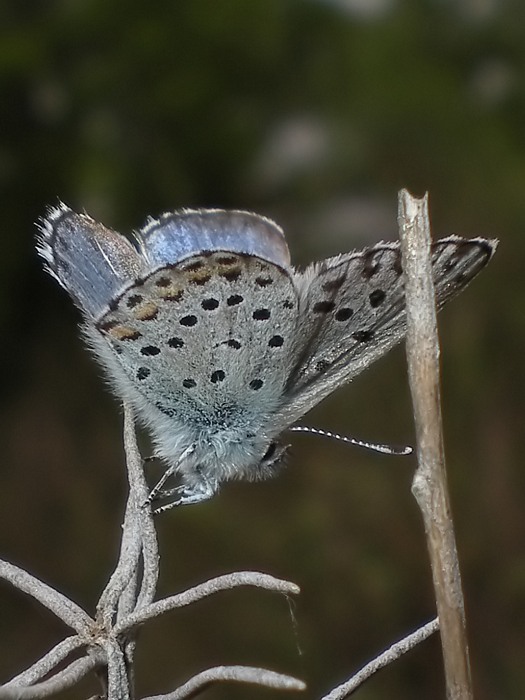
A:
{"x":210,"y":333}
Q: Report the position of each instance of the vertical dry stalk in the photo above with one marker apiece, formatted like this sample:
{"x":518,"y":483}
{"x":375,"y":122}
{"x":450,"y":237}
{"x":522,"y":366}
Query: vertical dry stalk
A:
{"x":430,"y":483}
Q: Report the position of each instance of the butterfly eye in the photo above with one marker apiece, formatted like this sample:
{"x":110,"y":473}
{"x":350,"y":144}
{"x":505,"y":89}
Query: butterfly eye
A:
{"x":271,"y":462}
{"x":270,"y":452}
{"x":273,"y":456}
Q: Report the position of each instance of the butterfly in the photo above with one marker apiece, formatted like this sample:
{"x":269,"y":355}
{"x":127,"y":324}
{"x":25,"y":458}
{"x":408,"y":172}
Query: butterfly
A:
{"x":204,"y":326}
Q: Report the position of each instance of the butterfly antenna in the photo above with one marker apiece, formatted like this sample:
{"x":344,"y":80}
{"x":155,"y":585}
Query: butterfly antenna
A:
{"x":384,"y":449}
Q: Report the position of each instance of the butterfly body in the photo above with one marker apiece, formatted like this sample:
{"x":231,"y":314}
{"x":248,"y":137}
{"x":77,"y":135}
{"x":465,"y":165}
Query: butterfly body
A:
{"x":219,"y":343}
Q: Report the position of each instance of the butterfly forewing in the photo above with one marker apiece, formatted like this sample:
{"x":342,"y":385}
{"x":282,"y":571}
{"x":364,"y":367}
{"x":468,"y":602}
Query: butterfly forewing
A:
{"x":354,"y":312}
{"x":346,"y":302}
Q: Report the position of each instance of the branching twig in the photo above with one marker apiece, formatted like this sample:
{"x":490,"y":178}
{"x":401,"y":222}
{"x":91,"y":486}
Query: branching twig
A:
{"x":386,"y":657}
{"x":126,"y":569}
{"x":214,"y":585}
{"x":118,"y":678}
{"x":239,"y":674}
{"x":430,"y":484}
{"x":138,"y":497}
{"x":61,"y":681}
{"x":68,"y":611}
{"x":125,"y":603}
{"x":137,"y":531}
{"x":48,"y":662}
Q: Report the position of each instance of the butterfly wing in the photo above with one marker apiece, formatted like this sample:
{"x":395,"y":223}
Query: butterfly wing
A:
{"x":91,"y":262}
{"x":194,"y":324}
{"x":205,"y":342}
{"x":180,"y":234}
{"x":352,"y":311}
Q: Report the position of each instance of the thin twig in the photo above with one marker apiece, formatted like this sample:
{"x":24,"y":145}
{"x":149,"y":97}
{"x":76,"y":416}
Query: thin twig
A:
{"x":215,"y":585}
{"x":131,"y":542}
{"x":139,"y":495}
{"x":128,"y":598}
{"x":110,"y":640}
{"x":61,"y":681}
{"x":118,"y":679}
{"x":128,"y":563}
{"x":48,"y":662}
{"x":129,"y":660}
{"x":139,"y":542}
{"x":121,"y":589}
{"x":388,"y":656}
{"x":64,"y":608}
{"x":430,"y":483}
{"x":239,"y":674}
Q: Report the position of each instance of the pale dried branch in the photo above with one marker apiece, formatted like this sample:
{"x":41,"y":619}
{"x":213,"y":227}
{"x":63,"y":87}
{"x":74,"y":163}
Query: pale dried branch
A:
{"x":128,"y":598}
{"x":388,"y":656}
{"x":139,"y":541}
{"x":62,"y":607}
{"x":139,"y":495}
{"x":430,"y":483}
{"x":49,"y":661}
{"x":128,"y":563}
{"x":124,"y":604}
{"x":118,"y":677}
{"x":215,"y":585}
{"x":68,"y":677}
{"x":238,"y":674}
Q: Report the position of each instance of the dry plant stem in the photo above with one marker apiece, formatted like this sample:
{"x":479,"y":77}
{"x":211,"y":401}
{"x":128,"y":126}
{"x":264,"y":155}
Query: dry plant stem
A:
{"x":139,"y":494}
{"x":118,"y":680}
{"x":430,"y":483}
{"x":62,"y":607}
{"x":61,"y":681}
{"x":215,"y":585}
{"x":127,"y":566}
{"x":139,"y":541}
{"x":239,"y":674}
{"x":387,"y":657}
{"x":48,"y":662}
{"x":137,"y":593}
{"x":134,"y":581}
{"x":126,"y":602}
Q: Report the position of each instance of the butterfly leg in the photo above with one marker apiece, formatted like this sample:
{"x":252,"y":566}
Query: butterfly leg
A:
{"x":157,"y":489}
{"x":188,"y":494}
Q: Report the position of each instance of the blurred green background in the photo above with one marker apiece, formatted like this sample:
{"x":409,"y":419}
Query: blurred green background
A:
{"x":314,"y":113}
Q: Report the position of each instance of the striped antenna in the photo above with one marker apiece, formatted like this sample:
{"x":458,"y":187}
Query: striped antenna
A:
{"x":384,"y":449}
